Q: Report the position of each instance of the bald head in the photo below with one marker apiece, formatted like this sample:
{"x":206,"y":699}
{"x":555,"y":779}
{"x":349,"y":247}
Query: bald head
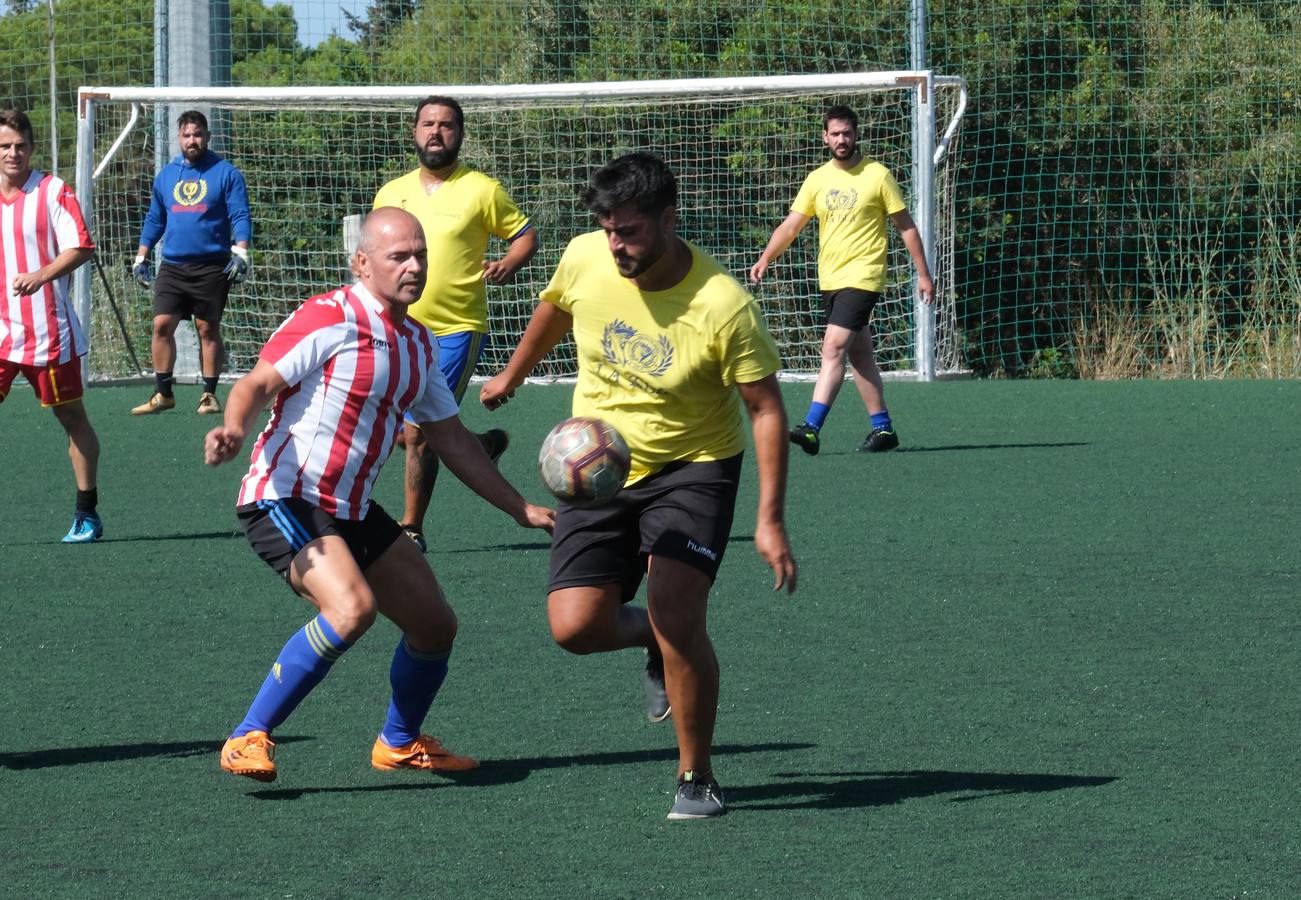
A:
{"x":390,"y":258}
{"x":385,"y":223}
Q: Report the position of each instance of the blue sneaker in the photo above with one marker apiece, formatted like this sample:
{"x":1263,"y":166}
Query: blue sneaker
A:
{"x":86,"y":527}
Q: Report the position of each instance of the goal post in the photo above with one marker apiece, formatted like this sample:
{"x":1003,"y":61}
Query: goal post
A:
{"x":740,"y":147}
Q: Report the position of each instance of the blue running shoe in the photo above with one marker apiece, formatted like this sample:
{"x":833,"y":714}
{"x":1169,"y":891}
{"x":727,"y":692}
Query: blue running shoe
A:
{"x":86,"y":527}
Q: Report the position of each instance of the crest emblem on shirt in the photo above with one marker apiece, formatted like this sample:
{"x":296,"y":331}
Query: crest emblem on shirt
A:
{"x":625,"y":347}
{"x":839,"y":200}
{"x":190,"y":193}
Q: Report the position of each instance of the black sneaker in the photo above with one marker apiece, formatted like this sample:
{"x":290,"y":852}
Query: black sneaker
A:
{"x":879,"y":441}
{"x":699,"y":797}
{"x":805,"y":436}
{"x":652,"y":679}
{"x":495,"y":442}
{"x":416,"y":536}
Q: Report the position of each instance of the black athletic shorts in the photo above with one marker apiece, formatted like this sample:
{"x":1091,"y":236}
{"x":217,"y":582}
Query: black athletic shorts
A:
{"x":191,"y":290}
{"x":279,"y":529}
{"x":683,"y":512}
{"x":849,"y":307}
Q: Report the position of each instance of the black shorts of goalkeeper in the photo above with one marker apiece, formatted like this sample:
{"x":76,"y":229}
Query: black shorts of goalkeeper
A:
{"x":681,"y":512}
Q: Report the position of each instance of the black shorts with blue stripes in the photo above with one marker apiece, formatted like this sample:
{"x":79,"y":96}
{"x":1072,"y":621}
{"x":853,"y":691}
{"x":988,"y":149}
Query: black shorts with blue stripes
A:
{"x":279,"y":529}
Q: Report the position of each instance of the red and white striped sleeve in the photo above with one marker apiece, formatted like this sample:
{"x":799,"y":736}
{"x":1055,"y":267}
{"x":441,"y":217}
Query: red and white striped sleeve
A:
{"x":309,"y":337}
{"x":66,"y":220}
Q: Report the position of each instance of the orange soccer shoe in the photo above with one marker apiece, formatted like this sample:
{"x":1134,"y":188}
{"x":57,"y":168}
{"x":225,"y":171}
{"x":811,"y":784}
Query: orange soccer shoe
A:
{"x":423,"y":753}
{"x":252,"y":755}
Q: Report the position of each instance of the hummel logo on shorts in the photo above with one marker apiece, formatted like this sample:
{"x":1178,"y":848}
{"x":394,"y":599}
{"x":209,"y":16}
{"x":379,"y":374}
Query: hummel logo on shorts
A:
{"x":703,"y":551}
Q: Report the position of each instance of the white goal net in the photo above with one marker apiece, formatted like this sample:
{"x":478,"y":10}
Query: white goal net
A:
{"x":312,"y":157}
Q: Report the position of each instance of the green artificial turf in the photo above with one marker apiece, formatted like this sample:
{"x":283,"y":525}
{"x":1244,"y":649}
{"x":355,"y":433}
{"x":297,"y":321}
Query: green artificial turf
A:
{"x":1047,"y":649}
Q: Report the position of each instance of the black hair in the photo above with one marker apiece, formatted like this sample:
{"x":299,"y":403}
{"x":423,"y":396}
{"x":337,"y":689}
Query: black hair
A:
{"x":18,"y":121}
{"x":449,"y":102}
{"x":841,"y":114}
{"x":192,"y":117}
{"x":640,"y":179}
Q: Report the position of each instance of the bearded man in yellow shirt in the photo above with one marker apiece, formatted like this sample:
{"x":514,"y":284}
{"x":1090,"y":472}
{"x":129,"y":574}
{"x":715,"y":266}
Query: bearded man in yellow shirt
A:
{"x":460,"y":210}
{"x":851,"y":198}
{"x":670,"y":347}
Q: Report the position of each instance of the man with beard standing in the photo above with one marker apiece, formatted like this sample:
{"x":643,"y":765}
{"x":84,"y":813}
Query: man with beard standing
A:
{"x":200,"y":211}
{"x":459,"y":209}
{"x":851,"y":197}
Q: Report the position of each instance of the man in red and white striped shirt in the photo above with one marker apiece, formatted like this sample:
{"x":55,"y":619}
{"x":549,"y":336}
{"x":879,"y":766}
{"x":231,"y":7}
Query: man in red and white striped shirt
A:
{"x":44,"y":238}
{"x":341,"y":372}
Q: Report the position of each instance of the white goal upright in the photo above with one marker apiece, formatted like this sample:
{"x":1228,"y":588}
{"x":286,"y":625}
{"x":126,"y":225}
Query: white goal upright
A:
{"x":312,"y":157}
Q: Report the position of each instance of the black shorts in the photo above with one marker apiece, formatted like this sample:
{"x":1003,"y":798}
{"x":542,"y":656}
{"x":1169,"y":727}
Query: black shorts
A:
{"x":196,"y":290}
{"x":279,"y":529}
{"x":849,"y":307}
{"x":682,"y":512}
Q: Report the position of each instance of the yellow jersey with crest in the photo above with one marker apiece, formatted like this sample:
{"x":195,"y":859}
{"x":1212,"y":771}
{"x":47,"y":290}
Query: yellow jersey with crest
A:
{"x":458,"y":218}
{"x":662,"y":366}
{"x":851,"y":206}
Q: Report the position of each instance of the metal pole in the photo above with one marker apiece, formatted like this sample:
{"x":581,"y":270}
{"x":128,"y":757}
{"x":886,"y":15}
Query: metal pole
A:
{"x":54,"y":98}
{"x":162,"y":78}
{"x":923,"y":186}
{"x":86,"y":200}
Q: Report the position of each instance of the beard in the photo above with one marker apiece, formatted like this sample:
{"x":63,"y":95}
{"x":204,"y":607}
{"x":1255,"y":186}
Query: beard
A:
{"x":845,"y":152}
{"x":438,"y":159}
{"x":632,"y":266}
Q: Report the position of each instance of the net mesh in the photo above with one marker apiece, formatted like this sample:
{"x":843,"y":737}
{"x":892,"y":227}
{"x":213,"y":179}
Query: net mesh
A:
{"x":1126,"y":199}
{"x":739,"y":161}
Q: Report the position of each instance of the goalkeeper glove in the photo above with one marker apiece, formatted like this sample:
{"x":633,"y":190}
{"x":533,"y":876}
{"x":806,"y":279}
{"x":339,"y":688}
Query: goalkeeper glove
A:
{"x":239,"y":267}
{"x":141,"y":273}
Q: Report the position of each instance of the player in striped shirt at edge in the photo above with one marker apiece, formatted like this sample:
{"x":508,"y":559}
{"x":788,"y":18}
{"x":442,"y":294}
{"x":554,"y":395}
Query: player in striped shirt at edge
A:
{"x":342,"y":371}
{"x":667,"y":340}
{"x":851,"y":197}
{"x":44,"y":238}
{"x":460,"y":210}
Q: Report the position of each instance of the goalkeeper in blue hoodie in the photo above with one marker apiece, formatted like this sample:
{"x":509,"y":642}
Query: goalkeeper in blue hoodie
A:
{"x":200,"y":211}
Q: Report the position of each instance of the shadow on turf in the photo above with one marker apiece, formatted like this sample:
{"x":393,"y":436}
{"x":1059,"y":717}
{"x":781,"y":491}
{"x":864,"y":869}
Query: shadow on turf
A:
{"x":507,"y":771}
{"x":1049,"y":444}
{"x":846,"y":790}
{"x":80,"y":756}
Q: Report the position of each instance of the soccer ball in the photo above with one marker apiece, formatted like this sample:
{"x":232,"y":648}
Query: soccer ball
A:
{"x":584,"y":461}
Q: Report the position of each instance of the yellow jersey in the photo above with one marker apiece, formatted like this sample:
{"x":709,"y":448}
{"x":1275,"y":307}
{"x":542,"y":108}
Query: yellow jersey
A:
{"x":458,"y":218}
{"x":851,"y":207}
{"x":661,"y":366}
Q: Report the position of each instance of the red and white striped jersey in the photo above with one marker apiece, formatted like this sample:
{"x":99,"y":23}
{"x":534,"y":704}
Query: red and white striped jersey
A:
{"x":36,"y":226}
{"x":352,"y":375}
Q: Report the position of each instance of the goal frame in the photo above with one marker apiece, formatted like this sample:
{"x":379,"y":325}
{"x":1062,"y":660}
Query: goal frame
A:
{"x":929,"y":147}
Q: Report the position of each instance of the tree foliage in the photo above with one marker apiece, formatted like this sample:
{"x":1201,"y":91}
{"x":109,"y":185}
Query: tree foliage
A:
{"x":1106,"y":144}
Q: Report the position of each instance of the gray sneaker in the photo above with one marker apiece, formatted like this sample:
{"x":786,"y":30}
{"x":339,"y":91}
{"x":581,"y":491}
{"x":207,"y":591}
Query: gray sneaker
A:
{"x":699,"y":797}
{"x":652,"y":679}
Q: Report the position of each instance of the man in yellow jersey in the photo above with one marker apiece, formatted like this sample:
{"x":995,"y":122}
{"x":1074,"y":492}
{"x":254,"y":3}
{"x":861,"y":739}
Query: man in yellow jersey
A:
{"x":851,"y":197}
{"x":669,"y":349}
{"x":460,"y":209}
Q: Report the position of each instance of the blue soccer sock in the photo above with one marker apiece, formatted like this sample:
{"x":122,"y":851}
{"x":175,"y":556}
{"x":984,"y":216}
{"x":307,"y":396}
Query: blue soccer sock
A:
{"x":301,"y":665}
{"x":817,"y":415}
{"x":881,"y":420}
{"x":416,"y":678}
